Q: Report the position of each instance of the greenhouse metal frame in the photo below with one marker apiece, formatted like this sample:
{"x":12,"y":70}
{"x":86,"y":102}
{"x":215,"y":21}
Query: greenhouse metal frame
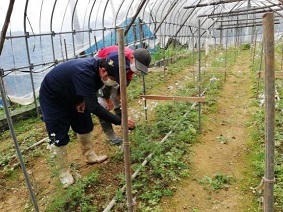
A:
{"x":38,"y":35}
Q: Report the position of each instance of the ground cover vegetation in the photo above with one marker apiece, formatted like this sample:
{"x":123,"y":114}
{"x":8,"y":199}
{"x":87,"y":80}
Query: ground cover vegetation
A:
{"x":258,"y":135}
{"x":170,"y":160}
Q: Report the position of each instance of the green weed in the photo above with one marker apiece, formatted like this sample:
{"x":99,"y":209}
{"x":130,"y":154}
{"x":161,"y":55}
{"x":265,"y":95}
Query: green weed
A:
{"x":257,"y":155}
{"x":75,"y":198}
{"x":218,"y":181}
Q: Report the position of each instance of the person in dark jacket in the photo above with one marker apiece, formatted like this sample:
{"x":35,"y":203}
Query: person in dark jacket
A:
{"x":67,"y":99}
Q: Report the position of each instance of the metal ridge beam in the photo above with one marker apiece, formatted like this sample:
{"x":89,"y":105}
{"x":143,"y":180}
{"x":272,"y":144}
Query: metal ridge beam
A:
{"x":245,"y":11}
{"x":242,"y":26}
{"x":239,"y":20}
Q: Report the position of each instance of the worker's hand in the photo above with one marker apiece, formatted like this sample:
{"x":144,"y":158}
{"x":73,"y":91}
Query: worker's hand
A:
{"x":80,"y":107}
{"x":109,"y":104}
{"x":131,"y":124}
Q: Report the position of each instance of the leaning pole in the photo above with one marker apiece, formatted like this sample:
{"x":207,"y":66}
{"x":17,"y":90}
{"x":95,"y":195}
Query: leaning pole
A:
{"x":8,"y":115}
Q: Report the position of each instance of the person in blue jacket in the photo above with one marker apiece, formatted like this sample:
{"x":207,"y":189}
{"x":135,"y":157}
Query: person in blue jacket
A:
{"x":67,"y":99}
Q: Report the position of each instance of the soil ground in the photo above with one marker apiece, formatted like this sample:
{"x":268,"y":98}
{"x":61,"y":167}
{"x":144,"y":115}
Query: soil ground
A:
{"x":210,"y":157}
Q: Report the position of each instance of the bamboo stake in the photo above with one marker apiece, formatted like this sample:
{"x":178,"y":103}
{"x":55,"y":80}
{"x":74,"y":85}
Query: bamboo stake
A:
{"x":268,"y":42}
{"x":126,"y":143}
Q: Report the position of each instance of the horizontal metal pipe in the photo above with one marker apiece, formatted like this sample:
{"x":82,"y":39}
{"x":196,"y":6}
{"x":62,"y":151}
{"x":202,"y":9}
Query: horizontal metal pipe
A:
{"x":212,"y":4}
{"x":241,"y":26}
{"x":244,"y":12}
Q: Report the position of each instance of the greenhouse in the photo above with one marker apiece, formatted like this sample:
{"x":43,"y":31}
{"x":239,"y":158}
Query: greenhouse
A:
{"x":143,"y":105}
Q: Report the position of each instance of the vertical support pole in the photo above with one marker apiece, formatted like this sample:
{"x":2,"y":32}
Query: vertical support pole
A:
{"x":226,"y":55}
{"x":95,"y":42}
{"x":281,"y":57}
{"x":31,"y":77}
{"x":73,"y":42}
{"x":126,"y":143}
{"x":221,"y":35}
{"x":199,"y":75}
{"x":215,"y":47}
{"x":164,"y":57}
{"x":260,"y":67}
{"x":236,"y":40}
{"x":135,"y":34}
{"x":144,"y":93}
{"x":189,"y":46}
{"x":89,"y":41}
{"x":143,"y":74}
{"x":66,"y":51}
{"x":268,"y":41}
{"x":255,"y":39}
{"x":141,"y":33}
{"x":29,"y":60}
{"x":193,"y":50}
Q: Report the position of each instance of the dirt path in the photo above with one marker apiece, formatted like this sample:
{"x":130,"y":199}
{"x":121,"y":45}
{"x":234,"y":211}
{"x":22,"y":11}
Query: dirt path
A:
{"x":211,"y":156}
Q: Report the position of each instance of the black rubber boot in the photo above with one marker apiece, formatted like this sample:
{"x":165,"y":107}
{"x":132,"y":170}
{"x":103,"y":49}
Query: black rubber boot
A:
{"x":108,"y":130}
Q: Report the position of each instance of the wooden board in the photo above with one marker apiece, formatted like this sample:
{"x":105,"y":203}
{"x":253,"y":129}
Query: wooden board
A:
{"x":174,"y":98}
{"x":278,"y":74}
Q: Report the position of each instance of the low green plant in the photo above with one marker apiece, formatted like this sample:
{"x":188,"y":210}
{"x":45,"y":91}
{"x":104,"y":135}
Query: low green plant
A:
{"x":218,"y":181}
{"x":245,"y":46}
{"x":257,"y":155}
{"x":75,"y":197}
{"x":10,"y":173}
